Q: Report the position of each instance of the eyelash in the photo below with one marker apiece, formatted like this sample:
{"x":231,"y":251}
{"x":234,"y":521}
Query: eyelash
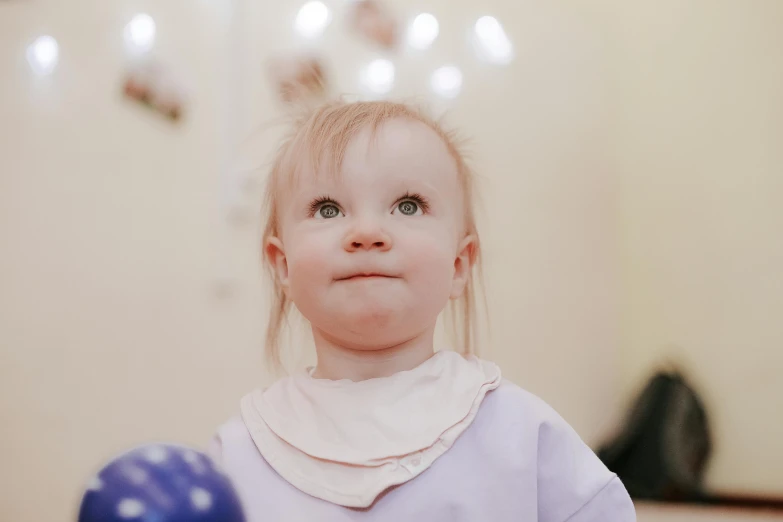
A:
{"x":420,"y":200}
{"x":319,"y":202}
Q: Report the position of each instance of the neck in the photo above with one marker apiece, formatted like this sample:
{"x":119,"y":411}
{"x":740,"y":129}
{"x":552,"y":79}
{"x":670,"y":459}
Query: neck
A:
{"x":337,"y":361}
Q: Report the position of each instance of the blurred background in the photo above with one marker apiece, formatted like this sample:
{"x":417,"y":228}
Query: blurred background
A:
{"x":631,"y":164}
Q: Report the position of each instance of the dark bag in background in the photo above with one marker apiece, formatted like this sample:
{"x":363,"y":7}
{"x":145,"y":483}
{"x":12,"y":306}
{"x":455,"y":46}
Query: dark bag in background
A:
{"x":662,"y":450}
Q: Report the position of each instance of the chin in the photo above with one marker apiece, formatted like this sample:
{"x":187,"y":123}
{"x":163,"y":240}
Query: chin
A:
{"x":373,"y":327}
{"x":373,"y":316}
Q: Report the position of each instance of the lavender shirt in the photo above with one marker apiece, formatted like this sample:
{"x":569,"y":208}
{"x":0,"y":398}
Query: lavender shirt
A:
{"x":518,"y":461}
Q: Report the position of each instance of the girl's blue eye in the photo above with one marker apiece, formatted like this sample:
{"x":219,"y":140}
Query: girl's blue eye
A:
{"x":408,"y":207}
{"x":328,"y":211}
{"x":412,"y":205}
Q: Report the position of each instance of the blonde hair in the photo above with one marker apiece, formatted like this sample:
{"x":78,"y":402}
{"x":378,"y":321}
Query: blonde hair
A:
{"x":326,"y":133}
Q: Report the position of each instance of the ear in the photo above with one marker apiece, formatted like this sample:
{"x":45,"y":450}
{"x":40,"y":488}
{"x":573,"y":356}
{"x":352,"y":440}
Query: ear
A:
{"x":275,"y":256}
{"x":466,"y":257}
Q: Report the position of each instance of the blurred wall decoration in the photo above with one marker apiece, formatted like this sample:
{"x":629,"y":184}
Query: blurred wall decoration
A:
{"x":373,"y":21}
{"x":154,"y":86}
{"x":630,"y":160}
{"x":148,"y":81}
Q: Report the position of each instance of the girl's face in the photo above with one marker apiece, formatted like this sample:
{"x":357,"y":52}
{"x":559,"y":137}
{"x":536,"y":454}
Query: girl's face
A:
{"x":370,"y":257}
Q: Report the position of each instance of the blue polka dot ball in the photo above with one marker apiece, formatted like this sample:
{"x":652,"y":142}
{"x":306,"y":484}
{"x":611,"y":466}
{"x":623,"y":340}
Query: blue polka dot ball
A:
{"x":160,"y":483}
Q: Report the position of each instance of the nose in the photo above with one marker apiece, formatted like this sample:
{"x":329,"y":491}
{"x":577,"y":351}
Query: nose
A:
{"x":367,"y":235}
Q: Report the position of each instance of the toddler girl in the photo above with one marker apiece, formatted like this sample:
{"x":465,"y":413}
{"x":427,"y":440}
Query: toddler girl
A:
{"x":370,"y":233}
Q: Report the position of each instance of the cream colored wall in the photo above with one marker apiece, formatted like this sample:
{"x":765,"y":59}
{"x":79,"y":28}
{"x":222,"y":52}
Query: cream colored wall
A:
{"x":699,"y":156}
{"x":112,"y":230}
{"x":109,"y":334}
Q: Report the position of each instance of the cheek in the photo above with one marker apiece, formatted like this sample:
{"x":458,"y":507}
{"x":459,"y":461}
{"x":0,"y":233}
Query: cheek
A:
{"x":430,"y":261}
{"x":308,"y":258}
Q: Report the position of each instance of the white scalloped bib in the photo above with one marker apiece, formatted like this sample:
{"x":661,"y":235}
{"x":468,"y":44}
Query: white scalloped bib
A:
{"x":346,"y":442}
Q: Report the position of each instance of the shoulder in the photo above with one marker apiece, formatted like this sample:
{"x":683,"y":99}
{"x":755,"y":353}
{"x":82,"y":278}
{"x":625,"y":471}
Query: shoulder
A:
{"x":527,"y":420}
{"x":512,"y":397}
{"x":231,"y":438}
{"x":519,"y":410}
{"x":233,"y":429}
{"x":572,"y":481}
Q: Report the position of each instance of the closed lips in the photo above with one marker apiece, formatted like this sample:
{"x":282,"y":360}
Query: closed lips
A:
{"x":366,"y":275}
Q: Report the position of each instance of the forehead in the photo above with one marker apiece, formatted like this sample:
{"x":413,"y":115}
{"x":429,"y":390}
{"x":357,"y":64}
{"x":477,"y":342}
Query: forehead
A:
{"x":400,"y":150}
